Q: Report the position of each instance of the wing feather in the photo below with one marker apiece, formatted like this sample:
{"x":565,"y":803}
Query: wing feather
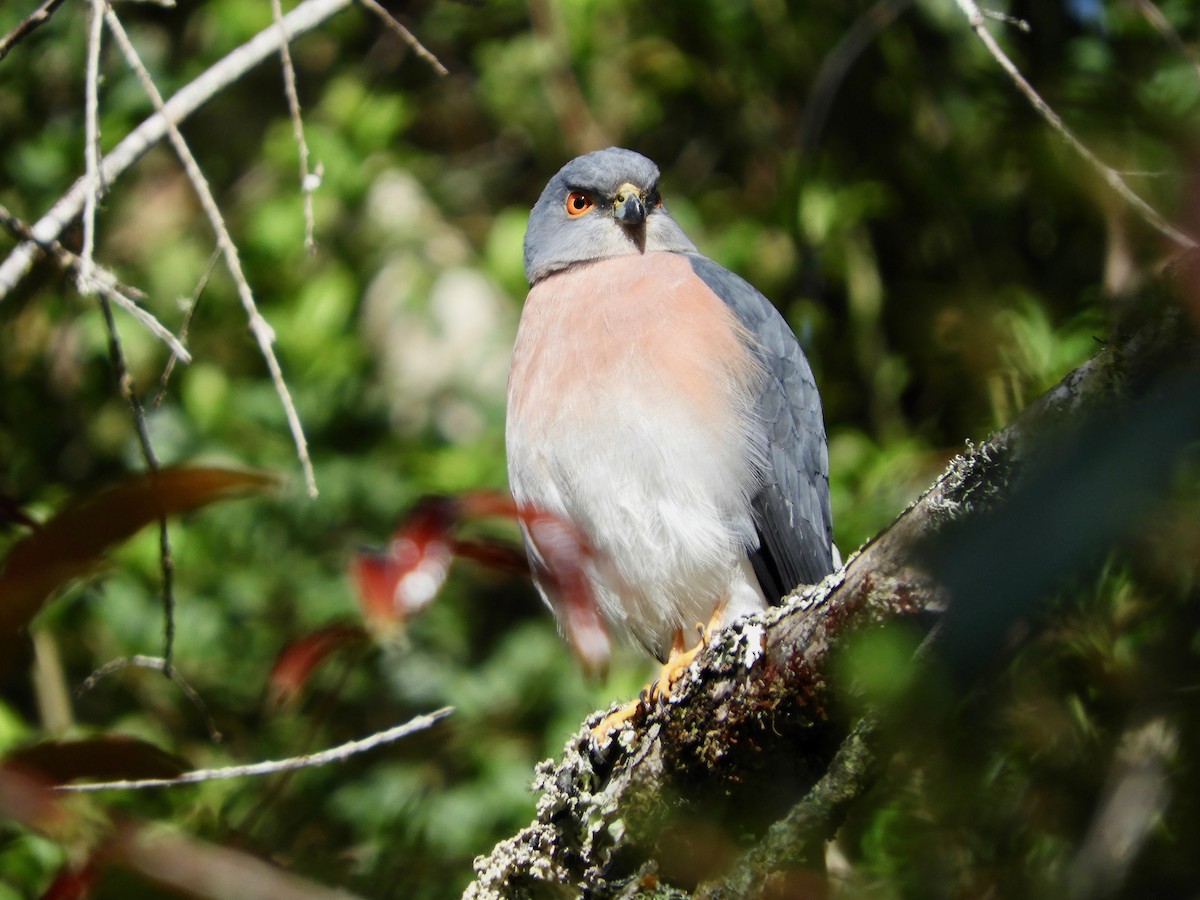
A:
{"x":791,"y":509}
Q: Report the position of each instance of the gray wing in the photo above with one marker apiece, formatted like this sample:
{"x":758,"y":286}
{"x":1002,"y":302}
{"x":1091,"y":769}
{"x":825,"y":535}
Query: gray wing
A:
{"x":791,"y":510}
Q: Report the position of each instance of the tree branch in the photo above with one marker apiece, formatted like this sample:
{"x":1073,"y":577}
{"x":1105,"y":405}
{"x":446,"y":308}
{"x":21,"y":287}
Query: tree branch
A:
{"x":179,"y":107}
{"x":339,"y":753}
{"x":30,"y":23}
{"x":1111,"y":177}
{"x":750,"y":728}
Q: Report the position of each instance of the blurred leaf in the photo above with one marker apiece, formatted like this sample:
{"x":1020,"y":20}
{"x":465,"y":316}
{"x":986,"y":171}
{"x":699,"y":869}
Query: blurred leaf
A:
{"x":405,"y":578}
{"x":29,"y":801}
{"x":300,"y":658}
{"x":71,"y":543}
{"x":107,"y":758}
{"x":73,"y":882}
{"x":12,"y":514}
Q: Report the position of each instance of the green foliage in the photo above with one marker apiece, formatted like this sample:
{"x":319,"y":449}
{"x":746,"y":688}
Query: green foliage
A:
{"x":942,"y":257}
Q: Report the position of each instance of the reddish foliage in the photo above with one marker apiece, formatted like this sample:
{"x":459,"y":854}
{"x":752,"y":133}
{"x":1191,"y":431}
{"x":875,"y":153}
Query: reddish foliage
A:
{"x":72,"y":543}
{"x":108,"y":757}
{"x":403,"y":579}
{"x":73,"y":883}
{"x":299,"y":659}
{"x":25,"y":797}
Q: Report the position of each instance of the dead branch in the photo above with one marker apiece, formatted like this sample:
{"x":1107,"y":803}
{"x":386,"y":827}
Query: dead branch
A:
{"x":30,"y":23}
{"x":339,"y":753}
{"x":1111,"y":176}
{"x":220,"y":75}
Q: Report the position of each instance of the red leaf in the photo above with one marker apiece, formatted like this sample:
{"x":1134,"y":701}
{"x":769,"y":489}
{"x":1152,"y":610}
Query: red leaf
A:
{"x":73,"y":883}
{"x":400,"y":582}
{"x":562,"y":568}
{"x":493,"y":553}
{"x":71,"y":543}
{"x":299,"y":659}
{"x":26,"y":798}
{"x":108,"y":758}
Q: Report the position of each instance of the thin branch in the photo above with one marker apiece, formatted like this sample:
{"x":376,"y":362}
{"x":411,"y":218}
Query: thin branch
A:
{"x":339,"y":753}
{"x":405,"y":35}
{"x":976,"y":19}
{"x":798,"y":839}
{"x":219,"y":75}
{"x":837,"y":62}
{"x":308,"y":181}
{"x":157,"y":664}
{"x":1155,"y":17}
{"x":103,"y":282}
{"x":91,"y":145}
{"x":30,"y":23}
{"x":190,"y":310}
{"x":166,"y":560}
{"x":259,"y":327}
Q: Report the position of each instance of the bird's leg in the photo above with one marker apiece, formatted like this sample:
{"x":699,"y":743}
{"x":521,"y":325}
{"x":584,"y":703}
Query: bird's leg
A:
{"x":679,"y":660}
{"x":660,"y":689}
{"x":618,"y":717}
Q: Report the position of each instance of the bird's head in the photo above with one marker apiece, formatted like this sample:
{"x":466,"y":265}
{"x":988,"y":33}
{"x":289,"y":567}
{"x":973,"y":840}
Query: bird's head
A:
{"x":599,"y":205}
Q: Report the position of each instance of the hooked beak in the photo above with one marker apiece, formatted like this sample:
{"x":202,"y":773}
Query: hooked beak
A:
{"x":628,"y":208}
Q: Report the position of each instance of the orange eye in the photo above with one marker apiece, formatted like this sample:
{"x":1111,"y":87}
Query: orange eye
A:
{"x":578,"y":203}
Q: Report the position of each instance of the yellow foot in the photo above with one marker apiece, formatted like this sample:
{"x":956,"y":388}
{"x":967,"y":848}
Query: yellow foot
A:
{"x":613,"y":722}
{"x":660,"y":689}
{"x":672,"y":670}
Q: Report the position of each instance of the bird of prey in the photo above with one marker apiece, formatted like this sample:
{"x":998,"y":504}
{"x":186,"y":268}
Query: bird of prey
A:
{"x":661,"y":406}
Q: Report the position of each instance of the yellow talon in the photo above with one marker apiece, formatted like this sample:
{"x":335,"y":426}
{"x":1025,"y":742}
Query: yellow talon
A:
{"x":660,"y":689}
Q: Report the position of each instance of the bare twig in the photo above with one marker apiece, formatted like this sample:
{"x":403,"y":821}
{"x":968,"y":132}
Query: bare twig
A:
{"x":405,"y":35}
{"x":259,"y":327}
{"x":103,"y":282}
{"x":166,"y":560}
{"x":1155,"y":17}
{"x":996,"y":16}
{"x":308,"y":180}
{"x":305,"y":17}
{"x":334,"y":754}
{"x":190,"y":867}
{"x":30,"y":23}
{"x":1137,"y":793}
{"x":91,"y":146}
{"x":188,"y":312}
{"x":157,"y":664}
{"x":837,"y":63}
{"x":1111,"y":177}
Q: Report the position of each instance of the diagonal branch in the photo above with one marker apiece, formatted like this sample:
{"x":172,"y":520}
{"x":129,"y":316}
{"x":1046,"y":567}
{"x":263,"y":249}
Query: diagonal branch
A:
{"x":1110,"y":175}
{"x":339,"y":753}
{"x":407,"y":36}
{"x":259,"y":327}
{"x":103,"y":282}
{"x":30,"y":23}
{"x":750,"y":727}
{"x":187,"y":100}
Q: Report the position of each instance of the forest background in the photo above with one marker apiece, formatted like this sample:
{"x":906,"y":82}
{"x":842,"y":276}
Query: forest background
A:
{"x":942,"y":253}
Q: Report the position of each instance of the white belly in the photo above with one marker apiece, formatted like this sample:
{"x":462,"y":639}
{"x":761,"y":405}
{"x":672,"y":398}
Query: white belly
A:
{"x":635,"y":421}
